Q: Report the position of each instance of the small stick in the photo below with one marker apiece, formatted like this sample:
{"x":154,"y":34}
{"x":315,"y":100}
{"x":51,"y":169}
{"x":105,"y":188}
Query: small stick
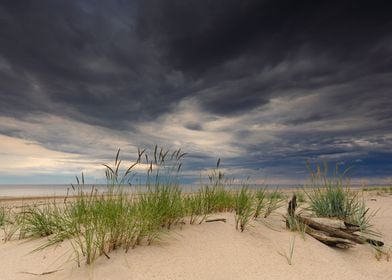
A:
{"x":43,"y":273}
{"x":216,"y":220}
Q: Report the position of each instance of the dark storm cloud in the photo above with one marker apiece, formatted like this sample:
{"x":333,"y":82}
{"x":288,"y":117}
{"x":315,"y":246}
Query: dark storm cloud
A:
{"x":200,"y":40}
{"x":199,"y":37}
{"x":115,"y":57}
{"x":120,"y":64}
{"x":80,"y":55}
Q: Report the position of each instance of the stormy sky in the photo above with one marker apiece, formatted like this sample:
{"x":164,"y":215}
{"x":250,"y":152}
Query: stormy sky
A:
{"x":263,"y":85}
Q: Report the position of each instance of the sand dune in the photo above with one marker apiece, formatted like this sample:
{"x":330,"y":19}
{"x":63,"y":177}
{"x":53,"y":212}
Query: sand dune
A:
{"x":211,"y":251}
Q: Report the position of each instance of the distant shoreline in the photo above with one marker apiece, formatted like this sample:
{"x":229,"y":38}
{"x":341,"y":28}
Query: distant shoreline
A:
{"x":59,"y":197}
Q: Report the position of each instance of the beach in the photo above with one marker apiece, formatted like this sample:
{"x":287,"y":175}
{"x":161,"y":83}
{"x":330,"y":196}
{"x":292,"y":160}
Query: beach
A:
{"x":213,"y":250}
{"x":197,"y":140}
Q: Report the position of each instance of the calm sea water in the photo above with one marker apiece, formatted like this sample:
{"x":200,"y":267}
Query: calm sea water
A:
{"x":62,"y":189}
{"x":50,"y":189}
{"x":33,"y":190}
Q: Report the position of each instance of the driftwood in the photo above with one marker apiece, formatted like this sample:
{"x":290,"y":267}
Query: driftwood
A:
{"x":338,"y":224}
{"x":329,"y":240}
{"x":331,"y":233}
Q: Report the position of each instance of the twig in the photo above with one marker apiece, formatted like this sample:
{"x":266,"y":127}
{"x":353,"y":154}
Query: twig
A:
{"x":216,"y":220}
{"x":40,"y":274}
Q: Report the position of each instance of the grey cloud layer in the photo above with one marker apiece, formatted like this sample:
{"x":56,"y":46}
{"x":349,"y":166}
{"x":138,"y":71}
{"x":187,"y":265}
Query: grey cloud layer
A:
{"x":126,"y":66}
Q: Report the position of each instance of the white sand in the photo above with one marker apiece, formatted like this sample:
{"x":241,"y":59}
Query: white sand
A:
{"x":212,"y":251}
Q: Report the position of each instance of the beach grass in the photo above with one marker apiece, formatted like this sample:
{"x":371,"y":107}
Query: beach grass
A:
{"x":2,"y":215}
{"x":289,"y":255}
{"x":385,"y":190}
{"x":40,"y":221}
{"x":301,"y":196}
{"x":10,"y":225}
{"x":261,"y":202}
{"x":122,"y":218}
{"x":98,"y":223}
{"x":243,"y":208}
{"x":331,"y":196}
{"x":275,"y":200}
{"x":194,"y":206}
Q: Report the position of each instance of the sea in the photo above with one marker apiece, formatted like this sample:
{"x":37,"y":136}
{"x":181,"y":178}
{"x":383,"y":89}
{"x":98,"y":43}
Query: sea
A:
{"x":39,"y":190}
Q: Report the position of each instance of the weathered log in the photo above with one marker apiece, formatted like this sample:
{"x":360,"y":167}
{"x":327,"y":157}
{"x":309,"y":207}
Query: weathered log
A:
{"x":347,"y":224}
{"x":338,"y":224}
{"x":351,"y":227}
{"x":329,"y":240}
{"x":350,"y":230}
{"x":330,"y":232}
{"x":334,"y":232}
{"x":374,"y":242}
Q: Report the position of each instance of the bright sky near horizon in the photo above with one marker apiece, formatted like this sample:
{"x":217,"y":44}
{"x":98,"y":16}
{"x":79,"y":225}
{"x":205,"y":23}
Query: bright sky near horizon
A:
{"x":263,"y":85}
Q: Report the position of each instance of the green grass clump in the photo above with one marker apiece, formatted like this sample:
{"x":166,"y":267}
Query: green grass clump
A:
{"x":194,"y":207}
{"x":216,"y":199}
{"x":39,"y":221}
{"x":97,"y":224}
{"x":243,"y":208}
{"x":2,"y":215}
{"x":361,"y":217}
{"x":275,"y":200}
{"x":267,"y":202}
{"x":210,"y":198}
{"x":260,"y":202}
{"x":301,"y":196}
{"x":9,"y":223}
{"x":159,"y":208}
{"x":331,"y":196}
{"x":330,"y":202}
